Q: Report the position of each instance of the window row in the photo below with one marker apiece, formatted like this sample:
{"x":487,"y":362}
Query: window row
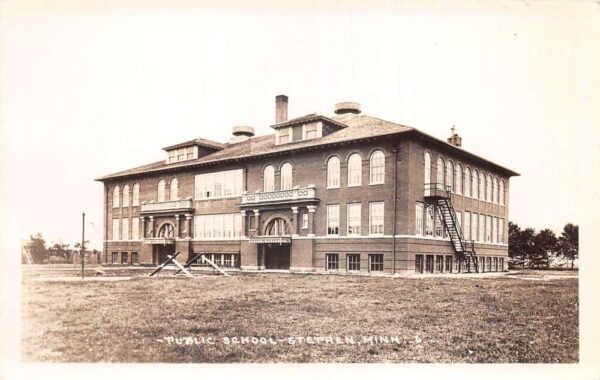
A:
{"x":228,"y":183}
{"x":464,"y":181}
{"x":354,"y":218}
{"x":121,"y":231}
{"x":131,"y":195}
{"x":123,"y":258}
{"x":332,"y":262}
{"x":479,"y":227}
{"x":223,"y":260}
{"x":218,"y":226}
{"x":286,"y":182}
{"x":376,"y":170}
{"x":447,"y":264}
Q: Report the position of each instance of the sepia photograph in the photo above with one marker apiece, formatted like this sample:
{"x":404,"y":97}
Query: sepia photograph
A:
{"x":322,"y":184}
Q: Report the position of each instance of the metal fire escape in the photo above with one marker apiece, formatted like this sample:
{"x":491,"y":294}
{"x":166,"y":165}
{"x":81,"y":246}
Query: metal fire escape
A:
{"x":442,"y":197}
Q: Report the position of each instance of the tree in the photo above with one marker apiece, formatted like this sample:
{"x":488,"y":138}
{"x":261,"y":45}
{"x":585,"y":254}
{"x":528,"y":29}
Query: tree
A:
{"x":37,"y":248}
{"x":544,"y":243}
{"x":568,"y":243}
{"x":520,"y":243}
{"x":60,"y":250}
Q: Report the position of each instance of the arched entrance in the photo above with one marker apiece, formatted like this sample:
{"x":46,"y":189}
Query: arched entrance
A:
{"x":277,"y":255}
{"x":161,"y":250}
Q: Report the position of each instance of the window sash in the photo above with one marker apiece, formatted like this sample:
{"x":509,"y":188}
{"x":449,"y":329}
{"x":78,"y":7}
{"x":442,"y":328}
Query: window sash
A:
{"x":227,"y":183}
{"x":125,"y":229}
{"x":353,"y":262}
{"x":135,"y":229}
{"x":116,"y":230}
{"x":377,"y":168}
{"x":216,"y":226}
{"x":354,"y":170}
{"x":376,"y":218}
{"x":353,"y":216}
{"x":333,"y":172}
{"x":419,"y":213}
{"x":376,"y":263}
{"x":332,"y":261}
{"x":333,"y":219}
{"x":136,"y":195}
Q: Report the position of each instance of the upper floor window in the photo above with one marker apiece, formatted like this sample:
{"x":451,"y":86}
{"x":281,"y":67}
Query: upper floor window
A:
{"x":286,"y":176}
{"x":182,"y":154}
{"x":467,"y":187}
{"x":311,"y":131}
{"x":376,"y":218}
{"x":116,"y":229}
{"x":440,"y":171}
{"x":481,"y":186}
{"x":377,"y":167}
{"x":217,"y":226}
{"x":354,"y":170}
{"x":160,"y":191}
{"x":333,"y":219}
{"x":501,"y":191}
{"x":459,"y":179}
{"x":284,"y":135}
{"x":495,"y":190}
{"x":269,"y":178}
{"x":136,"y":195}
{"x":116,"y":197}
{"x":353,"y":218}
{"x":333,"y":172}
{"x":126,"y":196}
{"x":427,"y":168}
{"x":488,"y":187}
{"x":174,"y":189}
{"x":227,"y":183}
{"x":450,"y":175}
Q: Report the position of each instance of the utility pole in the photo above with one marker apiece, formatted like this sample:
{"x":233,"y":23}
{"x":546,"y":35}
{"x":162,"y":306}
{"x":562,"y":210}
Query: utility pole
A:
{"x":82,"y":244}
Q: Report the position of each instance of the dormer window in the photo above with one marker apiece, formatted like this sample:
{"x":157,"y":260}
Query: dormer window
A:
{"x":284,"y":135}
{"x":182,"y":154}
{"x":312,"y":130}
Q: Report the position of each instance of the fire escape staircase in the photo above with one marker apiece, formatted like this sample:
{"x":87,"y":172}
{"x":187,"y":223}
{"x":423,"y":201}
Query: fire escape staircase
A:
{"x":442,"y":196}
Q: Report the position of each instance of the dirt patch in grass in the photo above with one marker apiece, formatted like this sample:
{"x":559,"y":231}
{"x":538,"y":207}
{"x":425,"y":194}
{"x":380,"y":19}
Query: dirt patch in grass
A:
{"x":430,"y":319}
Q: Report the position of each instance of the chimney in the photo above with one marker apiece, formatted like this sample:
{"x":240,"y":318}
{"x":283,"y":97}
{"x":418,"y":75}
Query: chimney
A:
{"x":281,"y":109}
{"x":454,"y":138}
{"x":347,"y":107}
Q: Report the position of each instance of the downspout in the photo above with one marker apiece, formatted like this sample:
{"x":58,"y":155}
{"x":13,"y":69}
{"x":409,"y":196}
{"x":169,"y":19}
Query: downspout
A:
{"x":395,"y":151}
{"x":104,"y":243}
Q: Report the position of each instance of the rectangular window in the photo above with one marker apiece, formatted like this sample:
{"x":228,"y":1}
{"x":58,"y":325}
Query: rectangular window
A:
{"x":429,"y":263}
{"x":418,"y":263}
{"x":353,"y":215}
{"x":227,"y":261}
{"x":353,"y":262}
{"x":311,"y":131}
{"x":481,"y":227}
{"x":429,"y":220}
{"x":488,"y":229}
{"x":494,"y":230}
{"x":115,"y":230}
{"x":211,"y":226}
{"x":467,"y":226}
{"x":285,"y":135}
{"x":135,"y":229}
{"x":449,"y":264}
{"x":376,"y":263}
{"x":459,"y":220}
{"x":439,"y":263}
{"x":172,"y":157}
{"x":125,"y":229}
{"x":134,"y":258}
{"x":488,"y":264}
{"x":124,"y":260}
{"x":419,"y":219}
{"x":440,"y":229}
{"x":115,"y":258}
{"x":501,"y":231}
{"x":495,"y":264}
{"x":305,"y":221}
{"x":501,"y":264}
{"x":376,"y":218}
{"x":333,"y":219}
{"x":474,"y":225}
{"x":332,"y":261}
{"x":219,"y":184}
{"x":482,"y":264}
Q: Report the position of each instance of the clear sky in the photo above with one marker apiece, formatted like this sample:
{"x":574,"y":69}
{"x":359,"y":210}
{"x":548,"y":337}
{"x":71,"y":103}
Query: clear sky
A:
{"x":90,"y":88}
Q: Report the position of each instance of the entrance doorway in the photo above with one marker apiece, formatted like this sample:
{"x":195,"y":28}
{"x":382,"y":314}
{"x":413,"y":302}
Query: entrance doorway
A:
{"x":277,"y":256}
{"x":160,"y":252}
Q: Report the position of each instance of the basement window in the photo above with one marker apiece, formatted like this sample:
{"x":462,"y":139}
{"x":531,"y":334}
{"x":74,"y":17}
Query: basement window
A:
{"x":332,"y":261}
{"x":376,"y":263}
{"x":353,"y":262}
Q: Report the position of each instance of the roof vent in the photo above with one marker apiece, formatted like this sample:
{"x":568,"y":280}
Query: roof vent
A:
{"x":241,"y":133}
{"x":347,"y":107}
{"x":454,"y":138}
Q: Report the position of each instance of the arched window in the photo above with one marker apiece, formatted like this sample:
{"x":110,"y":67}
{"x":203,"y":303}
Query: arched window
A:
{"x":174,"y":189}
{"x":116,"y":197}
{"x":495,"y":190}
{"x":501,"y":191}
{"x":427,"y":171}
{"x":160,"y":191}
{"x":269,"y":179}
{"x":277,"y":227}
{"x":468,"y":182}
{"x":286,"y":176}
{"x":166,"y":231}
{"x":354,"y":170}
{"x":136,"y":195}
{"x":440,"y":172}
{"x":126,"y":196}
{"x":450,"y":175}
{"x":482,"y":186}
{"x":459,"y":179}
{"x":333,"y":172}
{"x":377,"y":167}
{"x":488,"y":187}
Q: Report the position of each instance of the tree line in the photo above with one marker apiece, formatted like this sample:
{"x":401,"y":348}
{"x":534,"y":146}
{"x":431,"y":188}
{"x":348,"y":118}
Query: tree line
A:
{"x":536,"y":250}
{"x":55,"y":252}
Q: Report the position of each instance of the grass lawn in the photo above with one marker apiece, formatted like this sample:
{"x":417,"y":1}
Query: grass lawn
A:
{"x":502,"y":319}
